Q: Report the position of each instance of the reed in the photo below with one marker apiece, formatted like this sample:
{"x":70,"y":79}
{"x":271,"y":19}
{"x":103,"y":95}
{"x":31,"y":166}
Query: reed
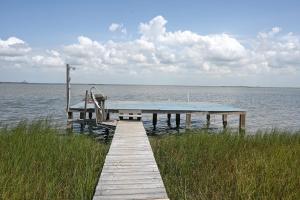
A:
{"x":201,"y":165}
{"x":37,"y":161}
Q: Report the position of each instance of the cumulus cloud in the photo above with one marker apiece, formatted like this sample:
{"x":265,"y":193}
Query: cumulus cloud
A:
{"x":13,"y":47}
{"x":157,"y":50}
{"x":114,"y":27}
{"x":14,"y":52}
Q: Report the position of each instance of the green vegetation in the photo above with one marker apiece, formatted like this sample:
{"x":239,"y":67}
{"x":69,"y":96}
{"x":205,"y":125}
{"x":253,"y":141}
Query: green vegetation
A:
{"x":38,"y":162}
{"x":229,"y":166}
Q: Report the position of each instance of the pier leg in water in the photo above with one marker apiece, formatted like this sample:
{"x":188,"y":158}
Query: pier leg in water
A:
{"x":188,"y":120}
{"x":224,"y":119}
{"x":82,"y":124}
{"x":177,"y":120}
{"x":69,"y":122}
{"x":242,"y":123}
{"x":107,"y":116}
{"x":169,"y":119}
{"x":207,"y":120}
{"x":154,"y":121}
{"x":90,"y":115}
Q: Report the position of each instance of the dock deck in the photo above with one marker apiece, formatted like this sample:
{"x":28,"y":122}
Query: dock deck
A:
{"x":130,"y":170}
{"x":161,"y":107}
{"x":177,"y":108}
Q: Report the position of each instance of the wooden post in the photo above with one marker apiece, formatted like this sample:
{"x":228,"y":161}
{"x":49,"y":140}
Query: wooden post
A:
{"x":85,"y":103}
{"x":81,"y":116}
{"x":207,"y":120}
{"x":177,"y":120}
{"x":154,"y":121}
{"x":242,"y":124}
{"x":224,"y":119}
{"x":68,"y":79}
{"x":68,"y":91}
{"x":90,"y":115}
{"x":69,"y":122}
{"x":169,"y":119}
{"x":107,"y":116}
{"x":188,"y":120}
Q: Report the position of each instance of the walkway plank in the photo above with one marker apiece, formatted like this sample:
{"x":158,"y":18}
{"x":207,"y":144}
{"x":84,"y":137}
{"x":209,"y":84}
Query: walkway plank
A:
{"x":130,"y":170}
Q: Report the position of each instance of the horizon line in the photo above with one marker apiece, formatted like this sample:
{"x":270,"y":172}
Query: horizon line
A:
{"x":136,"y":84}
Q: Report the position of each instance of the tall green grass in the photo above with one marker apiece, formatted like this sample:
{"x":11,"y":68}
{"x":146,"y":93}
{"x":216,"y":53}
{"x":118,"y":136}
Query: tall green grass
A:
{"x":38,"y":162}
{"x":229,"y":166}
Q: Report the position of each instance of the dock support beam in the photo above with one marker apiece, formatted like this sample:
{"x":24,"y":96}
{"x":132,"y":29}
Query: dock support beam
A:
{"x":242,"y":123}
{"x":90,"y":115}
{"x":169,"y":119}
{"x":81,"y":116}
{"x":154,"y":121}
{"x":207,"y":120}
{"x":188,"y":120}
{"x":70,"y":122}
{"x":177,"y":120}
{"x":224,"y":119}
{"x":107,"y":116}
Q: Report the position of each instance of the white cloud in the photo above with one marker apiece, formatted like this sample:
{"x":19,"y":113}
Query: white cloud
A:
{"x":158,"y":51}
{"x":13,"y":47}
{"x":114,"y":27}
{"x":154,"y":29}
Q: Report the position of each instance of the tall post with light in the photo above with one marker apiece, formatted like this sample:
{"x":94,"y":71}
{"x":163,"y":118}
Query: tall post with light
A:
{"x":68,"y":91}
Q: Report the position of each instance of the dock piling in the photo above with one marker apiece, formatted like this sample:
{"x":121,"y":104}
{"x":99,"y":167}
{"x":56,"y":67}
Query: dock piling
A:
{"x":154,"y":121}
{"x":188,"y":120}
{"x":107,"y":116}
{"x":81,"y":116}
{"x":224,"y":119}
{"x":177,"y":120}
{"x":70,"y":122}
{"x":207,"y":120}
{"x":169,"y":119}
{"x":242,"y":122}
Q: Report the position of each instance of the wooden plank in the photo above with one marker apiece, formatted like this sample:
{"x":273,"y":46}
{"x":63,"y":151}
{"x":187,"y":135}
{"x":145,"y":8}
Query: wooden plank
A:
{"x":125,"y":191}
{"x":130,"y":170}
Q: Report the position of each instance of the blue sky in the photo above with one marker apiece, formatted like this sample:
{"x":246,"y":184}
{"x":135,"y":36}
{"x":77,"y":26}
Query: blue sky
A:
{"x":46,"y":26}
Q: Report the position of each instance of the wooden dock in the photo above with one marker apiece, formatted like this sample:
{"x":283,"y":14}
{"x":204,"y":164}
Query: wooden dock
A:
{"x":130,"y":170}
{"x":168,"y":108}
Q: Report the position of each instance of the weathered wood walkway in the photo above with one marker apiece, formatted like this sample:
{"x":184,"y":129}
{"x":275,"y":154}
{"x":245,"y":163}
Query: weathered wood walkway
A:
{"x":130,"y":170}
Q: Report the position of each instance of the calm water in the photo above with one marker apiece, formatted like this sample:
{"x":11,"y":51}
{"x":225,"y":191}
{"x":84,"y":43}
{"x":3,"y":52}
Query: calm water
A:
{"x":266,"y":107}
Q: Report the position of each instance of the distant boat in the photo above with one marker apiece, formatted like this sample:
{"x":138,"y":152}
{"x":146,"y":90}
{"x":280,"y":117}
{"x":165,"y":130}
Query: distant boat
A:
{"x":24,"y":82}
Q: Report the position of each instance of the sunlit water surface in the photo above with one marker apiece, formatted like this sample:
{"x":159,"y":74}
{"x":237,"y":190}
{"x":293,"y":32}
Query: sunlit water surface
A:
{"x":267,"y":108}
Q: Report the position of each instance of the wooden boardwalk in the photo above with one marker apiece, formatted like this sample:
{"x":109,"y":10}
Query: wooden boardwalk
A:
{"x":130,"y":170}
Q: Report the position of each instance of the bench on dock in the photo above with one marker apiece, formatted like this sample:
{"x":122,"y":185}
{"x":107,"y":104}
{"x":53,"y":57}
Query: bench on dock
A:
{"x":130,"y":114}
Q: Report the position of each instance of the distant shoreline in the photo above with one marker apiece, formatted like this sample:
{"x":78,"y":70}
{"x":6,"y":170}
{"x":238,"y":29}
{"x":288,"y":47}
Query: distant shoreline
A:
{"x":121,"y":84}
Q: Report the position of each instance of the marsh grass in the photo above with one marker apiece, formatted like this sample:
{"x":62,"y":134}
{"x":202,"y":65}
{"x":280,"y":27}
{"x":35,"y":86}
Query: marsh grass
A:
{"x":229,"y":166}
{"x":37,"y":161}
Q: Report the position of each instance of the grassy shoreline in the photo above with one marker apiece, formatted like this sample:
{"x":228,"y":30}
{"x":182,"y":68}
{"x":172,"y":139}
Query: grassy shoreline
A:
{"x":37,"y":162}
{"x":229,"y":166}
